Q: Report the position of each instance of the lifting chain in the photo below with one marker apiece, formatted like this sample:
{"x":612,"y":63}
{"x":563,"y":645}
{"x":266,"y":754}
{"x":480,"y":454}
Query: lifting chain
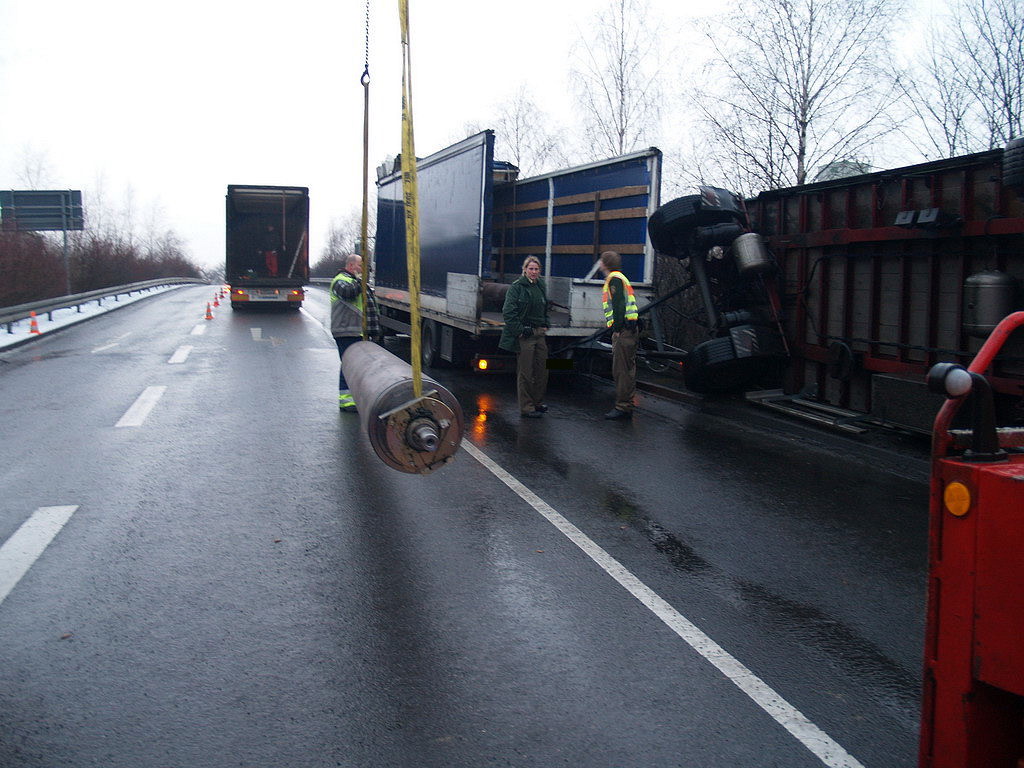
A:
{"x":363,"y":251}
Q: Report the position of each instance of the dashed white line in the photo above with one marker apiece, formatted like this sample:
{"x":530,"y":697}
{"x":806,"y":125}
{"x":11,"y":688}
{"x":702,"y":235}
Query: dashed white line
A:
{"x":198,"y":330}
{"x":257,"y":333}
{"x":785,"y":714}
{"x":180,"y":354}
{"x":28,"y":542}
{"x":112,"y":344}
{"x":136,"y":415}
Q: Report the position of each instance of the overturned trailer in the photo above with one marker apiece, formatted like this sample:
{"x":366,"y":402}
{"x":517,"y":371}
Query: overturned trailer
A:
{"x":887,"y":273}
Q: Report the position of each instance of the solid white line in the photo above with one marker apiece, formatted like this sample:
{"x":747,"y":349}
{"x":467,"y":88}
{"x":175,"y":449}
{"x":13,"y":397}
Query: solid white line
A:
{"x":180,"y":354}
{"x":28,"y":542}
{"x":785,"y":714}
{"x":140,"y":409}
{"x":198,"y":330}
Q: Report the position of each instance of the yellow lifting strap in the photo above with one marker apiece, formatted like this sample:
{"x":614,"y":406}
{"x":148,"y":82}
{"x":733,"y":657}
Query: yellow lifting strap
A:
{"x":363,"y":251}
{"x":412,"y":219}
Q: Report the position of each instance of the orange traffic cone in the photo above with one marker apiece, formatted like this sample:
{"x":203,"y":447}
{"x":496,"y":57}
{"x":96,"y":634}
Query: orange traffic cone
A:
{"x":33,"y":326}
{"x":209,"y":313}
{"x":216,"y":299}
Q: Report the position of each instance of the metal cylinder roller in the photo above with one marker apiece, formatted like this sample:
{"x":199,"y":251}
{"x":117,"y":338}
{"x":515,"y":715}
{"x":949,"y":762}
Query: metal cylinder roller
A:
{"x":410,"y":434}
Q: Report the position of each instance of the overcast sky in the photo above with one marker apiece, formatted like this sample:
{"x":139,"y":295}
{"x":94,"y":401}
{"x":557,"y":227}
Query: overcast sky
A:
{"x":169,"y":103}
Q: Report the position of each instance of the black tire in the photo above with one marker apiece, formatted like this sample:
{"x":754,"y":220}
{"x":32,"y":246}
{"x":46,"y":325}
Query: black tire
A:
{"x":430,"y":340}
{"x":668,"y":226}
{"x":671,"y":226}
{"x":1013,"y":163}
{"x":713,"y":367}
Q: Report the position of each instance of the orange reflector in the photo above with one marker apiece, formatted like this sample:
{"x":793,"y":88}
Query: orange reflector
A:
{"x":957,"y":499}
{"x":481,"y":365}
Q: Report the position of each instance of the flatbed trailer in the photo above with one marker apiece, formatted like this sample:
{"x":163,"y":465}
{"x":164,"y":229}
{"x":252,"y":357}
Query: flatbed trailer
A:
{"x":478,"y":222}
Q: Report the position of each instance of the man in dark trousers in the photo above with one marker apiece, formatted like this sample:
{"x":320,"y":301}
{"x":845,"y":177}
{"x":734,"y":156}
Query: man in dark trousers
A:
{"x":526,"y":322}
{"x":620,"y":314}
{"x":347,"y":318}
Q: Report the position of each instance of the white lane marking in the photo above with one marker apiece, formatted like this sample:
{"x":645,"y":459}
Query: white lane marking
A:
{"x":28,"y":542}
{"x":198,"y":330}
{"x":785,"y":714}
{"x":257,"y":333}
{"x":117,"y":340}
{"x":181,"y":354}
{"x":140,"y":409}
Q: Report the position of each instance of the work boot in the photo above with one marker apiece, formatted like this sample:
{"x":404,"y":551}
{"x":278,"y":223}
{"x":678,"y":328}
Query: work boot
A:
{"x":540,"y":408}
{"x":615,"y":414}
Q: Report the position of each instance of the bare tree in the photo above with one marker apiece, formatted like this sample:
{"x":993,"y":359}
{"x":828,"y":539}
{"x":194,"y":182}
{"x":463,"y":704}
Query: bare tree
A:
{"x":343,"y":237}
{"x":796,"y":84}
{"x":939,"y":100}
{"x":989,"y":34}
{"x":966,"y":90}
{"x":35,"y":172}
{"x":615,"y":77}
{"x":523,"y":136}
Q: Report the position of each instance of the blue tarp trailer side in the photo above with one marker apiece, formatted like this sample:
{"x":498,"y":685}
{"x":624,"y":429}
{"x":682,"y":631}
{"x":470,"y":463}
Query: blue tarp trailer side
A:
{"x":567,"y":218}
{"x":454,"y":204}
{"x":478,"y":222}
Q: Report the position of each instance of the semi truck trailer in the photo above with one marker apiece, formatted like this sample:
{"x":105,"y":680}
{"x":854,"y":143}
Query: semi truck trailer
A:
{"x":267,"y":245}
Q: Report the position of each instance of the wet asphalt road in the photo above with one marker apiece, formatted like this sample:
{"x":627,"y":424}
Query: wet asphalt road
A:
{"x":244,"y":583}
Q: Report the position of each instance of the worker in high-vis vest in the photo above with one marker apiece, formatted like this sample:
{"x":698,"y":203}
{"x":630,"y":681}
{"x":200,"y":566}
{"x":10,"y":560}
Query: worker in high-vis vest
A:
{"x":347,"y":318}
{"x":621,"y":315}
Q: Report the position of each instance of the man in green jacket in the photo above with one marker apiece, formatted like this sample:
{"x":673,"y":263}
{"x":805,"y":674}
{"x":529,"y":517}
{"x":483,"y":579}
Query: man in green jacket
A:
{"x":526,"y":322}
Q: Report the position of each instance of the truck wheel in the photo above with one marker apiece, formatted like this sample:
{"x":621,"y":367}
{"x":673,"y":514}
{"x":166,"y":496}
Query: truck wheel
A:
{"x":713,"y":367}
{"x":430,"y":340}
{"x":667,"y":225}
{"x":672,"y":224}
{"x":1013,"y":163}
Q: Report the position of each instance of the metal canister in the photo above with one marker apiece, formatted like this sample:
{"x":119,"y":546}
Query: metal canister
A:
{"x":989,"y":296}
{"x":751,"y":254}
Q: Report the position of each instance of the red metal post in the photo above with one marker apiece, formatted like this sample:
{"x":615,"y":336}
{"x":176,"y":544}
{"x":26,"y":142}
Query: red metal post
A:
{"x":973,"y":708}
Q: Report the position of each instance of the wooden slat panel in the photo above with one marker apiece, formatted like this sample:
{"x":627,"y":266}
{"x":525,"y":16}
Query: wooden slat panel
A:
{"x":586,"y":197}
{"x":573,"y":218}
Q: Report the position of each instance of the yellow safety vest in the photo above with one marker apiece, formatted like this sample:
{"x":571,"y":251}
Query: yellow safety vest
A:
{"x":631,"y":310}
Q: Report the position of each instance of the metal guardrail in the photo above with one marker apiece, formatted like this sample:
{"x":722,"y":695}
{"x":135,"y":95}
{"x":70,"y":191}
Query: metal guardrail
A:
{"x":11,"y":315}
